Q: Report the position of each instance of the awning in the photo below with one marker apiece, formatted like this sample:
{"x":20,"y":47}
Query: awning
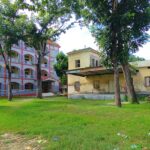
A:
{"x":91,"y":71}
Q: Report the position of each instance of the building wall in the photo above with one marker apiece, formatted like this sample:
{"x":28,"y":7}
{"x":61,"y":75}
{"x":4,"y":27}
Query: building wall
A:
{"x":139,"y":80}
{"x":84,"y":58}
{"x":106,"y":81}
{"x":20,"y":63}
{"x":106,"y":84}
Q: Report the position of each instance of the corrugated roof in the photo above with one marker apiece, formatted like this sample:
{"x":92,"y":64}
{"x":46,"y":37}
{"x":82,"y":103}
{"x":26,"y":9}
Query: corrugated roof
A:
{"x":140,"y":64}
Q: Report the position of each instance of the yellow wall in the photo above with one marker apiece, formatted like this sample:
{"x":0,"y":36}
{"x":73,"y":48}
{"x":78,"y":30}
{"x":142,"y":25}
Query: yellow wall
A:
{"x":139,"y":80}
{"x":106,"y":81}
{"x":84,"y":58}
{"x":86,"y":84}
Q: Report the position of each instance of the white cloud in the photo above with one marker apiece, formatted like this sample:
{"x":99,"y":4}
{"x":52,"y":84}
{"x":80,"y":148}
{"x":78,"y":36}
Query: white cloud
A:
{"x":77,"y":38}
{"x":144,"y":51}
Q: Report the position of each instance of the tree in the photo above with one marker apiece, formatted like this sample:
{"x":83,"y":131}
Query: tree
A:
{"x":134,"y":22}
{"x":12,"y":25}
{"x":49,"y":20}
{"x":133,"y":58}
{"x":61,"y":66}
{"x":119,"y":27}
{"x":103,"y":17}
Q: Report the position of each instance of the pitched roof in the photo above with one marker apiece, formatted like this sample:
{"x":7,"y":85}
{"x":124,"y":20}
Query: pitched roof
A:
{"x":89,"y":49}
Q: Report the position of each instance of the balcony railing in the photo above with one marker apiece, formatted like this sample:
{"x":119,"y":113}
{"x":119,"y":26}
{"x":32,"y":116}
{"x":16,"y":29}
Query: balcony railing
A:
{"x":45,"y":65}
{"x":13,"y":75}
{"x":1,"y":74}
{"x":30,"y":49}
{"x":28,"y":62}
{"x":15,"y":60}
{"x":29,"y":76}
{"x":18,"y":92}
{"x":16,"y":46}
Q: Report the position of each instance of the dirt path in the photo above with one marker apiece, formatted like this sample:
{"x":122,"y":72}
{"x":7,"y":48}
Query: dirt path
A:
{"x":10,"y":141}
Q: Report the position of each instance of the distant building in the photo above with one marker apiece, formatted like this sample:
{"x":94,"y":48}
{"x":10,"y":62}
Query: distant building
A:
{"x":88,"y":79}
{"x":24,"y":75}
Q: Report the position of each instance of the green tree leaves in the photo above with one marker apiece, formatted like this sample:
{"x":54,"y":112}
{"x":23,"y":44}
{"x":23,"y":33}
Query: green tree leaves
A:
{"x":61,"y":67}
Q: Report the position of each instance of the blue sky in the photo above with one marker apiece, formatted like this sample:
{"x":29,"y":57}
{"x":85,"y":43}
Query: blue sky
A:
{"x":77,"y":38}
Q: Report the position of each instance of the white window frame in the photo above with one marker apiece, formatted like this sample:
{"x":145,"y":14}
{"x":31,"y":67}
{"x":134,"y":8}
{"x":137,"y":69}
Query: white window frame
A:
{"x":147,"y":81}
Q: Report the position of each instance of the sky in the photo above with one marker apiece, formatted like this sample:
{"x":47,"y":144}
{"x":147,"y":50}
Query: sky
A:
{"x":77,"y":38}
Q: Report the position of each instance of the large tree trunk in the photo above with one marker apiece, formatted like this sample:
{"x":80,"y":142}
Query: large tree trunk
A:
{"x":39,"y":80}
{"x":113,"y":55}
{"x":117,"y":86}
{"x":9,"y":86}
{"x":129,"y":83}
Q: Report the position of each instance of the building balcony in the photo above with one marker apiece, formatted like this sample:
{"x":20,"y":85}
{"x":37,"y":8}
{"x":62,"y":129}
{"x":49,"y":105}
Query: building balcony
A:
{"x":29,"y":76}
{"x":44,"y":65}
{"x":28,"y":62}
{"x":29,"y":49}
{"x":1,"y":74}
{"x":14,"y":75}
{"x":16,"y":46}
{"x":44,"y":77}
{"x":45,"y":62}
{"x":15,"y":60}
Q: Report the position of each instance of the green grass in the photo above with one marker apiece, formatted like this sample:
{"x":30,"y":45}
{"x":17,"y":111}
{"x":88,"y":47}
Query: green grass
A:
{"x":77,"y":124}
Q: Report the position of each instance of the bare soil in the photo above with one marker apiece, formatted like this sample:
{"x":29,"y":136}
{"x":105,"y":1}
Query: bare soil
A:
{"x":9,"y":141}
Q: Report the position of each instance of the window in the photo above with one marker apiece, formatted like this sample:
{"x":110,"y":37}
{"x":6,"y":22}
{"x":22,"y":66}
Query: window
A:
{"x":77,"y":86}
{"x":77,"y":63}
{"x":93,"y":62}
{"x":29,"y":86}
{"x":27,"y":58}
{"x":96,"y":63}
{"x":15,"y":86}
{"x":147,"y":81}
{"x":27,"y":72}
{"x":14,"y":70}
{"x":96,"y":85}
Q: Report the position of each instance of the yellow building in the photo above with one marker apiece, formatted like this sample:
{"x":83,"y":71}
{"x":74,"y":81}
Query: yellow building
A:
{"x":87,"y":79}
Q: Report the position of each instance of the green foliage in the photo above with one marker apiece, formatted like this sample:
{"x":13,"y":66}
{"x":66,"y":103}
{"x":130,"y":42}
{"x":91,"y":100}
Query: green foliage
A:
{"x":12,"y":25}
{"x":78,"y":124}
{"x":61,"y":66}
{"x":133,"y":58}
{"x":119,"y":27}
{"x":48,"y":20}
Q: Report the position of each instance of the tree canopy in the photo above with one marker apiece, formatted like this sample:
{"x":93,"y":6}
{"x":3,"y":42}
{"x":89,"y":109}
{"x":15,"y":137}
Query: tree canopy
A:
{"x":61,"y":66}
{"x":119,"y":27}
{"x":49,"y":19}
{"x":12,"y":26}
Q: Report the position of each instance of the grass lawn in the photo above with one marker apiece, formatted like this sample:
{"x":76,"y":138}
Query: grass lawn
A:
{"x":78,"y":124}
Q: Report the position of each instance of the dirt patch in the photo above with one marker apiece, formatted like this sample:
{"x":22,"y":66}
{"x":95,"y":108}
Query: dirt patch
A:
{"x":9,"y":141}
